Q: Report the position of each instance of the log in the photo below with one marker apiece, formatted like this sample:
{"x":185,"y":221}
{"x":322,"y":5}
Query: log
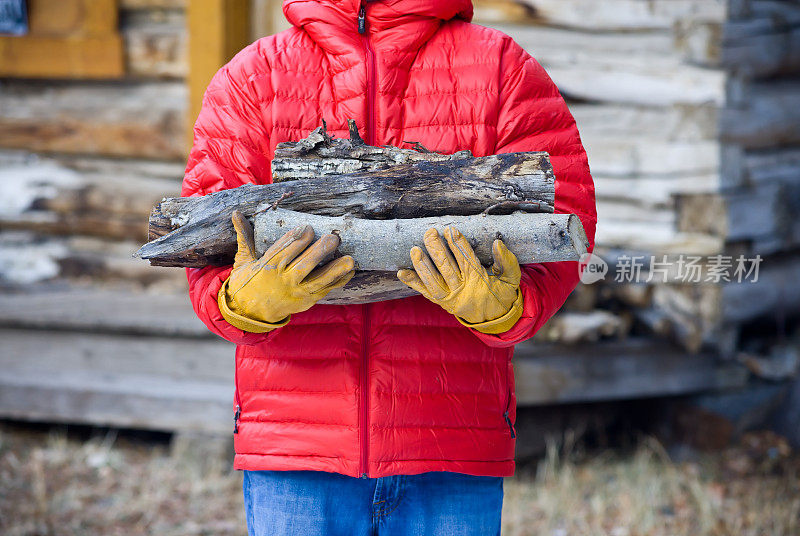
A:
{"x":320,"y":154}
{"x":386,"y":183}
{"x":384,"y":245}
{"x":381,"y":247}
{"x":339,"y":177}
{"x":132,"y":120}
{"x":367,"y":194}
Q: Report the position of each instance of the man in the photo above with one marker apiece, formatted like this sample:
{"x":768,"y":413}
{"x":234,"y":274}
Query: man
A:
{"x":393,"y":417}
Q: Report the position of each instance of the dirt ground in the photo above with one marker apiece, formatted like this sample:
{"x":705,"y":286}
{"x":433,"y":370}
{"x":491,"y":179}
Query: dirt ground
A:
{"x":54,"y":483}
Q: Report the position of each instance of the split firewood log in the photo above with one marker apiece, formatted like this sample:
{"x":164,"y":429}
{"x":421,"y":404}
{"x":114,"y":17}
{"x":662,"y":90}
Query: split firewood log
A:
{"x":380,"y":200}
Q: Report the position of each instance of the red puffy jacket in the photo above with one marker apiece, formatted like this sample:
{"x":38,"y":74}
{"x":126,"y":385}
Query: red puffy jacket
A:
{"x":394,"y":387}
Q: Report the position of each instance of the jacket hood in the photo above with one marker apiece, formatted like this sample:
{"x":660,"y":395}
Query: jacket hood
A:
{"x":401,"y":24}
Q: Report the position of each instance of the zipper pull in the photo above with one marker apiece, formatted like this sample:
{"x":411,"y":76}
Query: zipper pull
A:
{"x":236,"y":419}
{"x":362,"y":19}
{"x":510,"y":426}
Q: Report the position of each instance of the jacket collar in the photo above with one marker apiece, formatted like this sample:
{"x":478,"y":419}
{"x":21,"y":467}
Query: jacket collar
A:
{"x":401,"y":25}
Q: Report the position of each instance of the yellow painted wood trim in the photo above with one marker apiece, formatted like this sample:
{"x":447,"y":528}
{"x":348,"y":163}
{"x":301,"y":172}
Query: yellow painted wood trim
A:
{"x":218,"y":29}
{"x":56,"y":57}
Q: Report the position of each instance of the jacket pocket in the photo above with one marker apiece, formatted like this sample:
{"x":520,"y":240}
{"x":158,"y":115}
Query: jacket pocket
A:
{"x":509,"y":398}
{"x":237,"y":404}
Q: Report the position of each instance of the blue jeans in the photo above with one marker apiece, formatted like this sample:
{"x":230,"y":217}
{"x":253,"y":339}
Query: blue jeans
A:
{"x":311,"y":503}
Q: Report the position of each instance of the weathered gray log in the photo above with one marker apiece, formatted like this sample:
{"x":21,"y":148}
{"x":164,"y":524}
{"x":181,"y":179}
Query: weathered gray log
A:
{"x":381,"y":247}
{"x":384,"y":245}
{"x":390,"y":183}
{"x":369,"y":287}
{"x":320,"y":154}
{"x":417,"y":189}
{"x":336,"y":176}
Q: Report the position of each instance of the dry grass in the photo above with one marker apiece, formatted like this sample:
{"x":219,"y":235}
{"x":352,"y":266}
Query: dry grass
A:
{"x":750,"y":489}
{"x":52,"y":485}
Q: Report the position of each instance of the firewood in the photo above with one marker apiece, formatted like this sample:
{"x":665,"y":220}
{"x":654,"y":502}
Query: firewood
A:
{"x":390,"y":183}
{"x":384,"y":245}
{"x":380,"y":201}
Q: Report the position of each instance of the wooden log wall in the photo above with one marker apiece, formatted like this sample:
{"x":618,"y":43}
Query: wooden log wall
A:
{"x":83,"y":160}
{"x":690,"y":114}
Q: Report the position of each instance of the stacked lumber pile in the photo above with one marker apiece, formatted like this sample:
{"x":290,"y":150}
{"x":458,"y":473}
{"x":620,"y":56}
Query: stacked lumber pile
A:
{"x":690,"y":113}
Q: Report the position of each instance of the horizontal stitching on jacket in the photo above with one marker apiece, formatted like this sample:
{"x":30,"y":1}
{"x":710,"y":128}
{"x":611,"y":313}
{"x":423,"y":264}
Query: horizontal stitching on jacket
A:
{"x":417,"y":359}
{"x":445,"y":393}
{"x":300,"y":391}
{"x":294,"y":455}
{"x":311,"y":99}
{"x":265,"y":74}
{"x":441,"y":426}
{"x":459,"y":92}
{"x":302,"y":358}
{"x":446,"y":124}
{"x":424,"y":68}
{"x":394,"y":460}
{"x":313,"y":423}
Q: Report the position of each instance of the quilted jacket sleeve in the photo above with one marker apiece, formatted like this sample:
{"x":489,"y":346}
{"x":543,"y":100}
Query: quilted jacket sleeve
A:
{"x":534,"y":117}
{"x":230,"y":148}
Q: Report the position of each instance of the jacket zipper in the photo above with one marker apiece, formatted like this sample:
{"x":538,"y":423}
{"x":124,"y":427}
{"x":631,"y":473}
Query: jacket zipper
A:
{"x":364,"y":393}
{"x":238,"y":405}
{"x":371,"y":74}
{"x":371,"y":135}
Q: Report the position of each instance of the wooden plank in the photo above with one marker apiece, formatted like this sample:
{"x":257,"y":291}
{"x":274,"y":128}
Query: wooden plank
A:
{"x":774,"y":297}
{"x":67,"y":39}
{"x":184,"y":385}
{"x":761,"y":47}
{"x":625,"y":121}
{"x":621,"y":68}
{"x":217,"y":29}
{"x":152,"y":4}
{"x":630,"y":156}
{"x":72,"y":18}
{"x":140,"y":120}
{"x":47,"y":197}
{"x":29,"y":258}
{"x":99,"y":310}
{"x":54,"y":57}
{"x":26,"y":352}
{"x":634,"y":368}
{"x":763,"y":114}
{"x":129,"y":381}
{"x":624,"y":15}
{"x":655,"y":238}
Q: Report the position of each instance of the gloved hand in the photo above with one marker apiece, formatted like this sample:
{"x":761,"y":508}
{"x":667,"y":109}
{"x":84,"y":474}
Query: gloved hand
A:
{"x":490,"y":302}
{"x":261,"y":294}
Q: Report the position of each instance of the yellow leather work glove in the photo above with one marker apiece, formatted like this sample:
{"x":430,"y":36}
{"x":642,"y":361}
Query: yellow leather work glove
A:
{"x":261,"y":294}
{"x":488,"y":301}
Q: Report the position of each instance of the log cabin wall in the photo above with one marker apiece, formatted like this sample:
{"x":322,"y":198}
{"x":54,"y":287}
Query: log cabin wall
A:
{"x":82,"y":159}
{"x":670,"y":98}
{"x":760,"y":136}
{"x":689,"y":111}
